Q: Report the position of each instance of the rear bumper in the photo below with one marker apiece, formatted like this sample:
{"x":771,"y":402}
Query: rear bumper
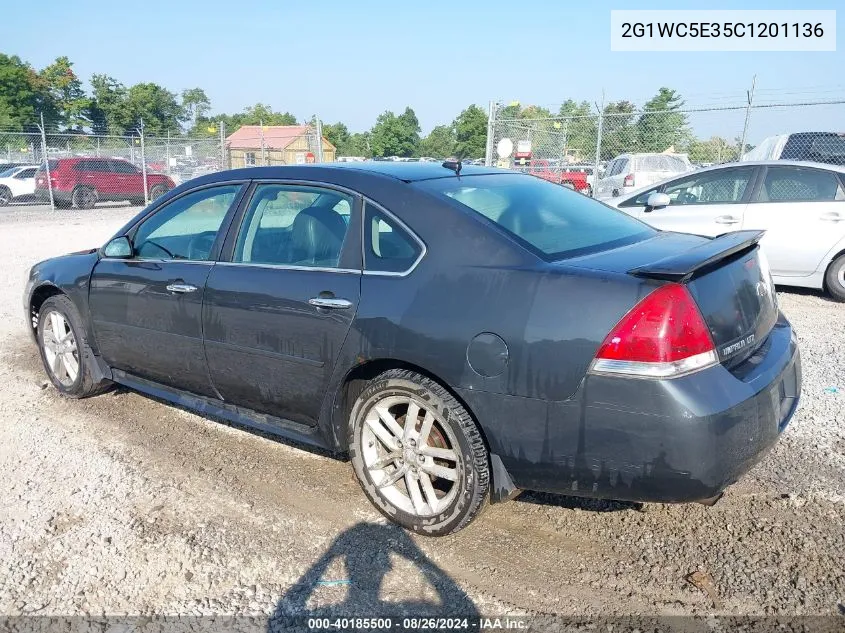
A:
{"x":678,"y":440}
{"x":43,"y":195}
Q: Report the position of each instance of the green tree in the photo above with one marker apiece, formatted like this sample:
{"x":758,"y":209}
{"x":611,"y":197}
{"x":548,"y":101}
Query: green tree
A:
{"x":713,"y":150}
{"x":196,"y":103}
{"x":471,"y":133}
{"x":262,"y":114}
{"x":157,"y":107}
{"x":359,"y":145}
{"x":579,"y":126}
{"x":619,"y":132}
{"x":338,"y":135}
{"x":108,"y":106}
{"x":395,"y":135}
{"x":661,"y":125}
{"x":20,"y":97}
{"x":69,"y":105}
{"x":440,"y":142}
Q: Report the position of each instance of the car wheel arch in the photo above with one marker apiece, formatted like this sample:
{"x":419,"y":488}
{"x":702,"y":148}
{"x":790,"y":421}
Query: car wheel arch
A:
{"x":354,"y":383}
{"x":39,"y":295}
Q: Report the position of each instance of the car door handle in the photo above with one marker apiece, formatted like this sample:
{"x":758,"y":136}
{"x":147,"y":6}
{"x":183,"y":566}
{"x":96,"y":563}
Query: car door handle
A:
{"x":181,"y":288}
{"x":726,"y":219}
{"x":332,"y":304}
{"x":833,"y":216}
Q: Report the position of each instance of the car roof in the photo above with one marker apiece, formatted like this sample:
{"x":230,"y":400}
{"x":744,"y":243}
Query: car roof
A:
{"x":402,"y":171}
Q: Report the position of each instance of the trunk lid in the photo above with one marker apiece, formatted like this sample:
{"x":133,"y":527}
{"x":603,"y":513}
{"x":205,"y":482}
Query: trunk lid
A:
{"x":728,"y":277}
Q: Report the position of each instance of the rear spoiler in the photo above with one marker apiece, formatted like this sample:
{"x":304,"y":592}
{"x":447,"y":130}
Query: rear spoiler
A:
{"x":681,"y":267}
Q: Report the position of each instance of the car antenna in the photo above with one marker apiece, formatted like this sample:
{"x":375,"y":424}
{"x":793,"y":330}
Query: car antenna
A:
{"x":454,"y":164}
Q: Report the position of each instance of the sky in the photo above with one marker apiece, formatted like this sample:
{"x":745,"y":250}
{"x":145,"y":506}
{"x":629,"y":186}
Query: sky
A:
{"x":350,"y":60}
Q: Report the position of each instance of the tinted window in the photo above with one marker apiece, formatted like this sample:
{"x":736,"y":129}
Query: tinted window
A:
{"x":26,"y":173}
{"x":7,"y":172}
{"x":387,"y":246}
{"x":797,"y":184}
{"x":660,"y":162}
{"x":294,"y":226}
{"x":724,"y":186}
{"x":187,"y":227}
{"x":92,"y":165}
{"x":554,"y":221}
{"x":618,"y":166}
{"x":122,"y":167}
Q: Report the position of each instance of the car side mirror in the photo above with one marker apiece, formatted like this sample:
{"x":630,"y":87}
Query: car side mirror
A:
{"x":657,"y":201}
{"x":119,"y":247}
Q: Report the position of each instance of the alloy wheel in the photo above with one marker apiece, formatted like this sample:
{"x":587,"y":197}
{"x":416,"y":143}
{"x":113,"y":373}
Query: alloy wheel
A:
{"x":60,"y":349}
{"x":411,"y":455}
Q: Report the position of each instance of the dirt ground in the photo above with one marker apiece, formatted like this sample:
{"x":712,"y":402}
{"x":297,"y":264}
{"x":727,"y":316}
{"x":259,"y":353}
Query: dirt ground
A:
{"x":124,"y":505}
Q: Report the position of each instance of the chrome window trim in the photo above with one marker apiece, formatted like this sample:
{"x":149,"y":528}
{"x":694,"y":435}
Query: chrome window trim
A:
{"x":320,"y":269}
{"x":403,"y":226}
{"x":203,"y":262}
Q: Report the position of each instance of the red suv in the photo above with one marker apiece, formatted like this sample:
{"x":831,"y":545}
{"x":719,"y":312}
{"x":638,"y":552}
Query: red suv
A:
{"x":82,"y":182}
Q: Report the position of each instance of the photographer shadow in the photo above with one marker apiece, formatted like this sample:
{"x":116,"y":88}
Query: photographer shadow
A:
{"x":365,"y":550}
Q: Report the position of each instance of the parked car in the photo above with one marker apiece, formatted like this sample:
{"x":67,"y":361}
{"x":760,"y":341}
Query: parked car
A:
{"x":574,"y":179}
{"x":628,"y":172}
{"x":448,"y":374}
{"x":800,"y":205}
{"x":17,"y":184}
{"x":82,"y":182}
{"x":820,"y":147}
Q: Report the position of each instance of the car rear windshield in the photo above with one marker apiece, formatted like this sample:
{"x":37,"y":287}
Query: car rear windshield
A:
{"x":53,"y":164}
{"x":553,"y":221}
{"x":660,"y":162}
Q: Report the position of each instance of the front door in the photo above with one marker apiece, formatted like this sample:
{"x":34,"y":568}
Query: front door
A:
{"x":802,"y":210}
{"x":147,"y":309}
{"x":708,"y":203}
{"x":277,"y":314}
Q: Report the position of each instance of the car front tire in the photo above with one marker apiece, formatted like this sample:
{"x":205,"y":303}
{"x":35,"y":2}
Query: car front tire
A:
{"x":417,"y":453}
{"x":834,"y":278}
{"x":5,"y":196}
{"x":67,"y":357}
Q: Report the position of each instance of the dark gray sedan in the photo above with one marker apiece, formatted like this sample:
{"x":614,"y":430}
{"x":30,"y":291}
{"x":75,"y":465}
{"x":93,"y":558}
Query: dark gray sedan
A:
{"x":461,"y":335}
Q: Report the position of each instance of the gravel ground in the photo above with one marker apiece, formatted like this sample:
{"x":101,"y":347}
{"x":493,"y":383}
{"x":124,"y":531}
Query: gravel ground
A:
{"x":124,"y":505}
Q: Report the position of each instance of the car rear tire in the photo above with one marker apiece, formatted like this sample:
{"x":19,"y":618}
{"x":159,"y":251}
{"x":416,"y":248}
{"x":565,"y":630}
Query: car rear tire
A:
{"x":67,"y":357}
{"x":431,"y":477}
{"x":5,"y":196}
{"x":834,"y":278}
{"x":568,"y":185}
{"x":84,"y":197}
{"x":157,"y":192}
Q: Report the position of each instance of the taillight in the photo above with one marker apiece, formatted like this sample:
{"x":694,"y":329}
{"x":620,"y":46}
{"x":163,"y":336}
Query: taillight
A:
{"x":663,"y":336}
{"x":629,"y":181}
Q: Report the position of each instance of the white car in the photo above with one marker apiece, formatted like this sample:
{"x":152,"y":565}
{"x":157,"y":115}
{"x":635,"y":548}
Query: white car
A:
{"x":629,"y":172}
{"x":17,"y":183}
{"x":800,"y":205}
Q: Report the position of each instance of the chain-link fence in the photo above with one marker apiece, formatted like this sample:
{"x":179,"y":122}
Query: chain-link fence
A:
{"x":624,"y":147}
{"x":77,"y":169}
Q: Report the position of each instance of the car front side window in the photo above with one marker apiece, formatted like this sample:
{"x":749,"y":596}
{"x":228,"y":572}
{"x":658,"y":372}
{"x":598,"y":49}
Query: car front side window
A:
{"x":294,"y":225}
{"x":725,"y":186}
{"x":187,"y":227}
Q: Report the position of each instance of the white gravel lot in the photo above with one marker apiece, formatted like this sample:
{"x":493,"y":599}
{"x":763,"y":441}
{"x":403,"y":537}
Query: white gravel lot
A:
{"x":124,"y":505}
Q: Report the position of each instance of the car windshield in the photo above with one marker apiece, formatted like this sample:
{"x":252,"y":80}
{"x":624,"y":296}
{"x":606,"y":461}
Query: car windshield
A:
{"x":551,"y":220}
{"x":7,"y":172}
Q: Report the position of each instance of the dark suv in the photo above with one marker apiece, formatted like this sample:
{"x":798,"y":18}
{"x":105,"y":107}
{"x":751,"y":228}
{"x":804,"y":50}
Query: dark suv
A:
{"x":82,"y":182}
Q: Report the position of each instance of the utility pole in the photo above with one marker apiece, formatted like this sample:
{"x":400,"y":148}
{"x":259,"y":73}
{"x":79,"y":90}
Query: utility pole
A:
{"x":319,"y":139}
{"x":598,"y":145}
{"x":223,"y":164}
{"x":261,"y":131}
{"x":46,"y":162}
{"x":143,"y":162}
{"x":750,"y":96}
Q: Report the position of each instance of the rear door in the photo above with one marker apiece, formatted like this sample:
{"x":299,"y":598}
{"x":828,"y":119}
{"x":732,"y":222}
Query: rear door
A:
{"x":278,"y":310}
{"x":23,"y":182}
{"x":129,"y":181}
{"x":802,"y":210}
{"x":706,"y":203}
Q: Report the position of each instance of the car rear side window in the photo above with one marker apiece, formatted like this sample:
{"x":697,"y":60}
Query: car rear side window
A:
{"x":294,"y":225}
{"x":800,"y":184}
{"x":552,"y":221}
{"x":388,"y":247}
